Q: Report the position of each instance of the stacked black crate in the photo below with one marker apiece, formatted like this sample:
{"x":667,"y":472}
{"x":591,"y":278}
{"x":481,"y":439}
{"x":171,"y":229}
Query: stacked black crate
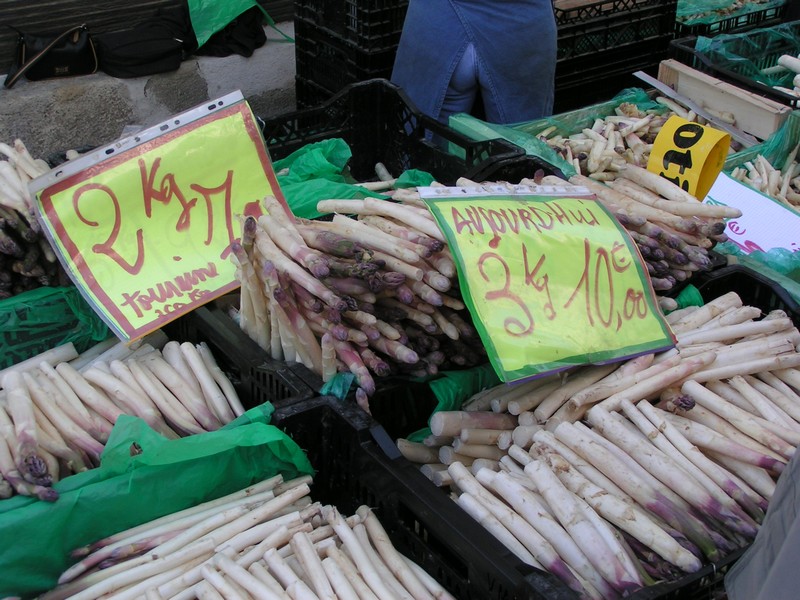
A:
{"x":601,"y":44}
{"x":343,"y":41}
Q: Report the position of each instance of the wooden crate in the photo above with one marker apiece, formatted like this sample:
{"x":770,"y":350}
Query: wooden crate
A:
{"x":754,"y":114}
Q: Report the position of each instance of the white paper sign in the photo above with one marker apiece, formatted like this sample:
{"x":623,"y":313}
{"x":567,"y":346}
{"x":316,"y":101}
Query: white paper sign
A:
{"x":765,"y":223}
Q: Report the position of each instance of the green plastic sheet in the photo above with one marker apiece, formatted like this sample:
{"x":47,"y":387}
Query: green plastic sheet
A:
{"x":128,"y":489}
{"x":315,"y":172}
{"x":319,"y":171}
{"x":338,"y":386}
{"x":43,"y":318}
{"x":414,"y":178}
{"x":453,"y":388}
{"x":210,"y":16}
{"x":775,"y":148}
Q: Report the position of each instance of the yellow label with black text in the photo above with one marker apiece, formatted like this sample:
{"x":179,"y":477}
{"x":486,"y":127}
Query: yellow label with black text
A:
{"x":689,"y":154}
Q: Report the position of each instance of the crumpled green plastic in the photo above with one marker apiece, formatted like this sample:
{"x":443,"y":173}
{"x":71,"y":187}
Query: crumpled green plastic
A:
{"x":45,"y":317}
{"x":452,"y":388}
{"x":318,"y":171}
{"x":338,"y":386}
{"x":568,"y":123}
{"x":414,"y":178}
{"x":128,"y":489}
{"x":779,"y":264}
{"x":314,"y":160}
{"x":689,"y":296}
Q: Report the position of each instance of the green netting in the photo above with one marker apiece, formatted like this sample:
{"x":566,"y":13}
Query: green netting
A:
{"x":776,"y":148}
{"x":568,"y":123}
{"x":43,"y":318}
{"x":752,"y":54}
{"x":696,"y":12}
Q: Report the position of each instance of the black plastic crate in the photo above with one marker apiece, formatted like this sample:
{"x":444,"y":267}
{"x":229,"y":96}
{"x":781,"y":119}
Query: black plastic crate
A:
{"x":349,"y":452}
{"x":576,"y":88}
{"x":308,"y":93}
{"x":684,"y":50}
{"x":771,"y":15}
{"x":256,"y":377}
{"x":598,"y":65}
{"x":370,"y":25}
{"x":380,"y":124}
{"x":644,"y":21}
{"x":332,"y":62}
{"x":706,"y":584}
{"x":604,"y":10}
{"x":753,"y":288}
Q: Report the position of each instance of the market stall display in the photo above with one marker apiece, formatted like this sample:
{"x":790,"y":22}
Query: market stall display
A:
{"x":515,"y":444}
{"x":264,"y":541}
{"x":57,"y":409}
{"x":370,"y":294}
{"x":645,"y":478}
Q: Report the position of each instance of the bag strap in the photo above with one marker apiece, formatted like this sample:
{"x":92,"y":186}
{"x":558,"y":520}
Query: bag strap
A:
{"x":271,"y":22}
{"x":14,"y":77}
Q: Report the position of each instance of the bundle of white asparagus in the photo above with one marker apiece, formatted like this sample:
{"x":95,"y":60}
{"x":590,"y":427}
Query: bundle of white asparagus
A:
{"x":632,"y":473}
{"x":268,"y":541}
{"x":57,"y":409}
{"x":27,"y":260}
{"x":780,"y":183}
{"x":671,"y":228}
{"x":623,"y":138}
{"x":374,"y":295}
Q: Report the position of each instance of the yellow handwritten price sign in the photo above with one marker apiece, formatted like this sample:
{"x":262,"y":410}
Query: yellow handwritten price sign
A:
{"x":689,"y":154}
{"x":550,"y":282}
{"x":146,"y":233}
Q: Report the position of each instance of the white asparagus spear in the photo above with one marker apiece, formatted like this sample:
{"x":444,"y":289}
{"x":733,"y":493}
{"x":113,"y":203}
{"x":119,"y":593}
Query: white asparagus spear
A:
{"x":567,"y":508}
{"x":475,"y":509}
{"x":705,"y":436}
{"x":737,"y":417}
{"x":629,"y":518}
{"x":528,"y":506}
{"x":222,"y":380}
{"x":171,"y":352}
{"x":733,"y":486}
{"x":94,"y":398}
{"x":210,"y":390}
{"x":390,"y":555}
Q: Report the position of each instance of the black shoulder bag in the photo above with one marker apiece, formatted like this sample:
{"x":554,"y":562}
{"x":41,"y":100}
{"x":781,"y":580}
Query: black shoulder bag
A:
{"x":43,"y":56}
